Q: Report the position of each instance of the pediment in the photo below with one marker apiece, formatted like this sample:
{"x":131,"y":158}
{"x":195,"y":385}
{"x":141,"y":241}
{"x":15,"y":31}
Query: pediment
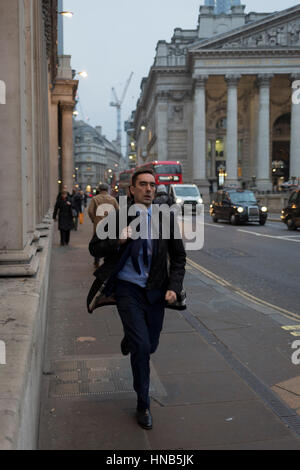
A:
{"x":276,"y":31}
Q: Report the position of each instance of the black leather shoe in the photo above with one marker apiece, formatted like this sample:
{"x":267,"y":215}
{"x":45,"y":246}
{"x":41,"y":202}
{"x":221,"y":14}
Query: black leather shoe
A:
{"x":124,"y":347}
{"x":144,"y":419}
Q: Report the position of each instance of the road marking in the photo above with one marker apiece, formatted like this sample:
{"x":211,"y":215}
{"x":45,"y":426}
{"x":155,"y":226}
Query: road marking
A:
{"x":292,"y":236}
{"x":291,"y":328}
{"x":281,"y":237}
{"x":214,"y":225}
{"x":242,"y":293}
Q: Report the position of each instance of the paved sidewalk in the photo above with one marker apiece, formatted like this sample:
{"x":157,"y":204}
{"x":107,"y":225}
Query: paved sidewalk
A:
{"x":202,"y":397}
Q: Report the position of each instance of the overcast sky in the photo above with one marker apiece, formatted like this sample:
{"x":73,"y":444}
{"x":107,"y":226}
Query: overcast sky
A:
{"x":112,"y":38}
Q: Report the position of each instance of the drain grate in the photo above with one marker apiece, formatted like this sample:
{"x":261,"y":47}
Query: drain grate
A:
{"x":103,"y":376}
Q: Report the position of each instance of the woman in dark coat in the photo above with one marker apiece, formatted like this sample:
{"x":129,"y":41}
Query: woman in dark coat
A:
{"x":65,"y":218}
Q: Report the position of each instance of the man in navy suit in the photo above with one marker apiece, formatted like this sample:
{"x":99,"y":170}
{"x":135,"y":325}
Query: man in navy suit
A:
{"x":149,"y":273}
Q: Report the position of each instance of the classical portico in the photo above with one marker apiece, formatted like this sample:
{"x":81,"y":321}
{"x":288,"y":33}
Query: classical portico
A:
{"x":227,"y":104}
{"x":263,"y":54}
{"x":233,"y":70}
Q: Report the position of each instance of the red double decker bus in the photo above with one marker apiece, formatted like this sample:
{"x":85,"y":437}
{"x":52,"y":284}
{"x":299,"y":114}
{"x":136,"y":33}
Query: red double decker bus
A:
{"x":125,"y":181}
{"x":166,"y":172}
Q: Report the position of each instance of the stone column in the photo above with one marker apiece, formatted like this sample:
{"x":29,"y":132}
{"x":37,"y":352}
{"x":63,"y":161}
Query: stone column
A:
{"x":53,"y":163}
{"x":295,"y":129}
{"x":13,"y":128}
{"x":232,"y":130}
{"x":17,"y":253}
{"x":199,"y":139}
{"x":263,"y":180}
{"x":162,"y":125}
{"x":67,"y":145}
{"x":30,"y":120}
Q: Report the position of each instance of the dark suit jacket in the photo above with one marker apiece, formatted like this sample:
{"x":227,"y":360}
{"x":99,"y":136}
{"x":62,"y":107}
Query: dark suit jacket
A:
{"x":168,"y":259}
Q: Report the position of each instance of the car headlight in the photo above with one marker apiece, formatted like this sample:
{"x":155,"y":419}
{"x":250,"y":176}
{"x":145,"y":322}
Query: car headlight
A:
{"x":264,"y":209}
{"x":240,"y":210}
{"x":200,"y":200}
{"x":179,"y":200}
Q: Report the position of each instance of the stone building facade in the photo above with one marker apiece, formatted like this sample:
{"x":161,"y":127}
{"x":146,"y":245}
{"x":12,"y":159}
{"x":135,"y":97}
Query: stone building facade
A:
{"x":95,"y":156}
{"x":219,"y":99}
{"x":37,"y":94}
{"x":35,"y":125}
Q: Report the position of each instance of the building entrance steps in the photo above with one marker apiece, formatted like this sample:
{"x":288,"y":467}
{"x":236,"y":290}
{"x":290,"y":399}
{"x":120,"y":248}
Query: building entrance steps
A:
{"x":212,"y":376}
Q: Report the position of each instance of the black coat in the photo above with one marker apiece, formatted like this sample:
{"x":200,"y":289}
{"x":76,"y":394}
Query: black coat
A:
{"x":167,"y":268}
{"x":163,"y":199}
{"x":77,"y":203}
{"x":65,"y":216}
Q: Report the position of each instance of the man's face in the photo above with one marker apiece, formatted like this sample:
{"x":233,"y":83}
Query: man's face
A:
{"x":144,"y":189}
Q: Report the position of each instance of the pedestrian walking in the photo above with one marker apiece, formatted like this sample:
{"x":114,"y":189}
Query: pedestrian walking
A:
{"x":102,"y":198}
{"x":140,"y":279}
{"x":83,"y":200}
{"x":76,"y":206}
{"x":64,"y":189}
{"x":162,"y":196}
{"x":63,"y":208}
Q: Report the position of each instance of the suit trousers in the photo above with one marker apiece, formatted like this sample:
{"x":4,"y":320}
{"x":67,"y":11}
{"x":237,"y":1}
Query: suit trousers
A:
{"x":142,"y":315}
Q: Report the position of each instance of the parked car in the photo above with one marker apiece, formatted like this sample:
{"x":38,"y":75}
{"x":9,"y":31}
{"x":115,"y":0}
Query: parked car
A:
{"x":291,"y":214}
{"x":237,"y":206}
{"x":185,"y":195}
{"x":288,"y":185}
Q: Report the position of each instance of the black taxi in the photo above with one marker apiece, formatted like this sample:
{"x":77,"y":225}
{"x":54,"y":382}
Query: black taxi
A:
{"x":290,"y":215}
{"x":237,"y":206}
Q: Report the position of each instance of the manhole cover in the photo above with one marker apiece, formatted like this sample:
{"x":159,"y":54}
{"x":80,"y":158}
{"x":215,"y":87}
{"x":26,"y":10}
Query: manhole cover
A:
{"x":105,"y":377}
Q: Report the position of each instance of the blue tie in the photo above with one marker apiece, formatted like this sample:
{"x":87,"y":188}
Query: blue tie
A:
{"x":136,"y":247}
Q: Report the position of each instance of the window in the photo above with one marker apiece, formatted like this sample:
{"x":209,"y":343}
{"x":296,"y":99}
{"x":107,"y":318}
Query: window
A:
{"x":226,"y":197}
{"x":219,"y":197}
{"x":167,"y":169}
{"x":222,"y":123}
{"x":220,"y":148}
{"x":243,"y":197}
{"x":183,"y":191}
{"x":294,"y":197}
{"x":209,"y":157}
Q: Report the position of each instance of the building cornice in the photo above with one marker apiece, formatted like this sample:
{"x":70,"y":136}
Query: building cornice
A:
{"x":273,"y":20}
{"x":64,"y":90}
{"x":246,"y":52}
{"x":49,"y":9}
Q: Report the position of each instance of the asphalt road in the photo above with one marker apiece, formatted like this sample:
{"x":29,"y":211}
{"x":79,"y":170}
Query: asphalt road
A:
{"x":264,"y":261}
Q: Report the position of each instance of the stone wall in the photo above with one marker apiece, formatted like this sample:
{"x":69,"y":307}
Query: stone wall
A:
{"x":23,"y":306}
{"x":274,"y":202}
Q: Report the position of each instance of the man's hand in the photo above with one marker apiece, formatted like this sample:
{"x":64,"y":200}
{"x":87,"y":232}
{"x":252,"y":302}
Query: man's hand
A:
{"x":171,"y":297}
{"x":125,"y":235}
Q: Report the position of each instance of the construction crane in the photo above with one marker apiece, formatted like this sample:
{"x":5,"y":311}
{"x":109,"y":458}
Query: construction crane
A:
{"x":118,"y":104}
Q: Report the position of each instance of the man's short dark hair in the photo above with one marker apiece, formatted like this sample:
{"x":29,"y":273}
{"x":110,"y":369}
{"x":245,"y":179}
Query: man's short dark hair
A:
{"x":137,"y":173}
{"x":103,"y":187}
